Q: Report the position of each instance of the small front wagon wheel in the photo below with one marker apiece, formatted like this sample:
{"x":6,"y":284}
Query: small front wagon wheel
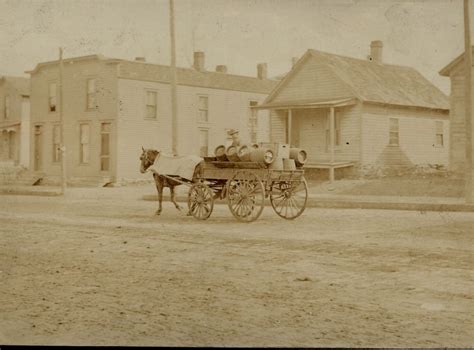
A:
{"x":245,"y":196}
{"x":200,"y":201}
{"x":288,"y":198}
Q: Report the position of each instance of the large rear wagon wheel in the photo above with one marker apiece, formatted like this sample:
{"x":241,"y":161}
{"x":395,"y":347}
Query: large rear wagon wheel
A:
{"x":200,"y":201}
{"x":288,"y":198}
{"x":245,"y":196}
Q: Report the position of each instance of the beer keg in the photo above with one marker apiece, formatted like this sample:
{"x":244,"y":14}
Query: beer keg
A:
{"x":262,"y":155}
{"x":244,"y":153}
{"x":219,"y":152}
{"x":299,"y":155}
{"x":232,"y":154}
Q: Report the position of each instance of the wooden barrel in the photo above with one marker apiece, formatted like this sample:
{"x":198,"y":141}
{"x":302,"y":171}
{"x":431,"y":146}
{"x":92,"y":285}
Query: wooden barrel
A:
{"x":299,"y":155}
{"x":262,"y":155}
{"x":219,"y":152}
{"x":232,"y":154}
{"x":244,"y":153}
{"x":289,"y":164}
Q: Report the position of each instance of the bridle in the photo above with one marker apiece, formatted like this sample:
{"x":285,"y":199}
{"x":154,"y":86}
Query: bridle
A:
{"x":146,"y":162}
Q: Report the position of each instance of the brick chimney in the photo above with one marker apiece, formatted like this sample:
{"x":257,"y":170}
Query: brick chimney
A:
{"x":140,"y":59}
{"x":262,"y":71}
{"x":221,"y":68}
{"x":376,"y":51}
{"x":199,"y":61}
{"x":293,"y":61}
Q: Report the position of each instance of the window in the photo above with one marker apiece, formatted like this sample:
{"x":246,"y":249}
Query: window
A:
{"x":393,"y":132}
{"x":84,"y":144}
{"x":91,"y":94}
{"x":337,"y":131}
{"x":7,"y":107}
{"x":105,"y":146}
{"x":53,"y":89}
{"x":56,"y":143}
{"x":253,"y":121}
{"x":151,"y":102}
{"x":203,"y":111}
{"x":439,"y":134}
{"x":203,"y":142}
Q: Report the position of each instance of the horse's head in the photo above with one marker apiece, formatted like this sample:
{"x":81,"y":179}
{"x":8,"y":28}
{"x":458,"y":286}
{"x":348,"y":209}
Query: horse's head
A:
{"x":147,"y":158}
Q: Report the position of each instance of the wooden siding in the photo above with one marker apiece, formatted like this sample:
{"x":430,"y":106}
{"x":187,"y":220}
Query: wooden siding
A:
{"x":457,"y":150}
{"x":309,"y":132}
{"x":227,"y":109}
{"x":6,"y":89}
{"x":278,"y":126}
{"x":16,"y":114}
{"x":314,"y":81}
{"x":417,"y":134}
{"x":75,"y":112}
{"x":312,"y":129}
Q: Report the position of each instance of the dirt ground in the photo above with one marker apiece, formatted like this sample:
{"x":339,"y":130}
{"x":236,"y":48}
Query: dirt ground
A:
{"x":406,"y":186}
{"x":98,"y":270}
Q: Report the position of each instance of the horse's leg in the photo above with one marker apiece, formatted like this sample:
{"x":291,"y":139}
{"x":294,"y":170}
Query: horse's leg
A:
{"x":159,"y":188}
{"x":173,"y":198}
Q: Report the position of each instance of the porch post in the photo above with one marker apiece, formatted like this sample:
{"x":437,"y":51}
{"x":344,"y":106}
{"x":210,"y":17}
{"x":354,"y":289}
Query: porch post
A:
{"x":288,"y":129}
{"x":331,"y":144}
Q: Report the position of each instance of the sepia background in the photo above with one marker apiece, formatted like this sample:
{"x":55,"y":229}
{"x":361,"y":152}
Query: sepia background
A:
{"x":420,"y":34}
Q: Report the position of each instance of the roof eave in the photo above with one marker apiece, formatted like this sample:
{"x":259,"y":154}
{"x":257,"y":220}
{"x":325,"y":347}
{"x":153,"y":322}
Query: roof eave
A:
{"x":441,"y":109}
{"x":67,"y":60}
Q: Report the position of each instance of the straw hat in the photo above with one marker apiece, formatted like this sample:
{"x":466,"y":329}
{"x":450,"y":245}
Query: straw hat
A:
{"x":232,"y":132}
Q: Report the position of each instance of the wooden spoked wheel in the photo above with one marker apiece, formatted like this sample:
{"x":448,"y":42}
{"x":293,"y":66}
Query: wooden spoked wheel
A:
{"x":289,"y":198}
{"x":200,"y":201}
{"x":245,"y":196}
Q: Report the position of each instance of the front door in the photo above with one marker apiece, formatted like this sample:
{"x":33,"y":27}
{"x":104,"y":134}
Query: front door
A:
{"x":38,"y":148}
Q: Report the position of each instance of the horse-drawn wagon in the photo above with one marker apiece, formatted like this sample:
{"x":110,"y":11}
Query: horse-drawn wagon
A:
{"x":245,"y":185}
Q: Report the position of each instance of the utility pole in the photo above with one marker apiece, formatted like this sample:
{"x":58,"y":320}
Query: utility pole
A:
{"x":469,"y":172}
{"x":174,"y":103}
{"x":61,"y":118}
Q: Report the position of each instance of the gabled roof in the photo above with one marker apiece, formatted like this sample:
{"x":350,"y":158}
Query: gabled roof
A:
{"x":374,"y":82}
{"x":139,"y":70}
{"x":446,"y":71}
{"x":191,"y":77}
{"x":21,"y":84}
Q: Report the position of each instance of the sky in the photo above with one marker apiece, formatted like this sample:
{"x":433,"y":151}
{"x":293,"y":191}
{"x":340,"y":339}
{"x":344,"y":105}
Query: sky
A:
{"x":424,"y":34}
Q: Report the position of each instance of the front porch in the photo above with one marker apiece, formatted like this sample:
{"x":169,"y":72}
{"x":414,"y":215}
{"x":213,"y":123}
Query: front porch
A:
{"x":9,"y":141}
{"x":316,"y":127}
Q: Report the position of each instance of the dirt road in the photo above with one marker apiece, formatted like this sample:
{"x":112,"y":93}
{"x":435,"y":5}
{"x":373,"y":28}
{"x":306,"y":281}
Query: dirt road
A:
{"x":92,"y":271}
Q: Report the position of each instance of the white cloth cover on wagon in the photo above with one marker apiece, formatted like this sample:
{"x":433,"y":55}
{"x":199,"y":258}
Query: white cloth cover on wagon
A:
{"x":182,"y":166}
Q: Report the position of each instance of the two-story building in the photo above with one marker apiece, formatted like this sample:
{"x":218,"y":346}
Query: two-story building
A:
{"x":113,"y":107}
{"x":14,"y":120}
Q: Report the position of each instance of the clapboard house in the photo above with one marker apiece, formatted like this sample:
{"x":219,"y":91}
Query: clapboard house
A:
{"x":14,"y":120}
{"x":362,"y":115}
{"x":113,"y":107}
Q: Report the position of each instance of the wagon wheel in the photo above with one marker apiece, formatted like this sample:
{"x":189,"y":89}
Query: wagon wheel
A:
{"x":289,"y":198}
{"x":200,"y":201}
{"x":245,"y":196}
